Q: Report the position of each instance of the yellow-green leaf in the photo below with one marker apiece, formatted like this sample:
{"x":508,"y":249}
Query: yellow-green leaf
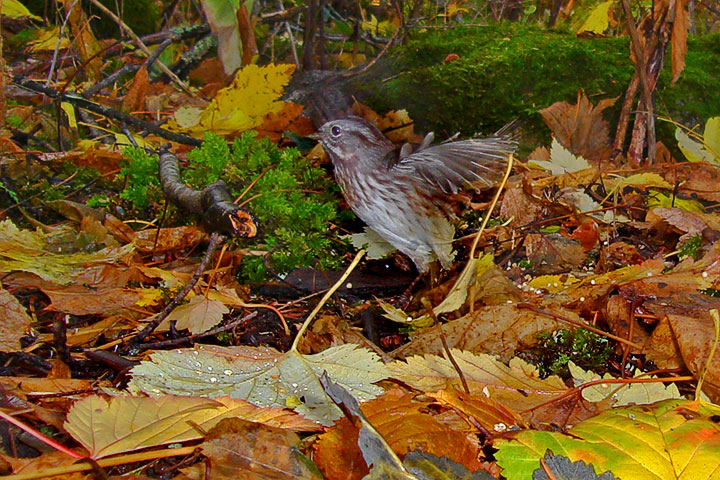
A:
{"x":15,"y":9}
{"x":671,"y":439}
{"x":598,"y":22}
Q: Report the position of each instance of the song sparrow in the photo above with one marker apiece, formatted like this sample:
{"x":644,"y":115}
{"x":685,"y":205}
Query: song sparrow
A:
{"x":402,"y":194}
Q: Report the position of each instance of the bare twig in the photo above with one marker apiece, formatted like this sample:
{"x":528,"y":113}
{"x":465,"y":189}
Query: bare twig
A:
{"x":81,"y":102}
{"x":134,"y":343}
{"x":213,"y":202}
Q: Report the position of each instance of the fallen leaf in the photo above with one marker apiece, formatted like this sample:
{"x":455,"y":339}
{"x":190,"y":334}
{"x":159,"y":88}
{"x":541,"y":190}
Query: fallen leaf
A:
{"x":126,"y":423}
{"x":199,"y":315}
{"x":262,"y":376}
{"x":15,"y":324}
{"x":241,"y":449}
{"x":671,"y":439}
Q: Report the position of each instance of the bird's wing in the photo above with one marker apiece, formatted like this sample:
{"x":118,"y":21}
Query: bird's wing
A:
{"x":449,"y":166}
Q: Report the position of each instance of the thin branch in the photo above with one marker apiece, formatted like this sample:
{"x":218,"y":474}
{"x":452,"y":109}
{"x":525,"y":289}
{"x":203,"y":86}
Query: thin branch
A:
{"x":138,"y":41}
{"x":81,"y":102}
{"x":641,"y":67}
{"x":134,"y":343}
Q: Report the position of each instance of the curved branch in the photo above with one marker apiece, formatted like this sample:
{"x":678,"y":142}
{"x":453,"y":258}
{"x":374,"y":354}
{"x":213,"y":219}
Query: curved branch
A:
{"x":213,"y":202}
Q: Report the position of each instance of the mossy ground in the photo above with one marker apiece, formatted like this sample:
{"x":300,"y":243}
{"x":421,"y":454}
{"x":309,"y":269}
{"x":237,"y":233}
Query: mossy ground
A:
{"x":507,"y":71}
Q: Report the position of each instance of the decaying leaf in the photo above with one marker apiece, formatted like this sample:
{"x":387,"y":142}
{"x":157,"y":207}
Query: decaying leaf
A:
{"x":238,"y":448}
{"x":623,"y":394}
{"x":15,"y":322}
{"x":38,"y":253}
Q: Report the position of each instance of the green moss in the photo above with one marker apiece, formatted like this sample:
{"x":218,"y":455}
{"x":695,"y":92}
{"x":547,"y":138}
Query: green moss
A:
{"x":292,"y":201}
{"x":142,"y":16}
{"x":505,"y":71}
{"x":586,"y":349}
{"x":142,"y":185}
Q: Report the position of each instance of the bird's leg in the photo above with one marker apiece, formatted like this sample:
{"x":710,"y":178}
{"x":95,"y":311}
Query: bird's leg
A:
{"x":432,"y":274}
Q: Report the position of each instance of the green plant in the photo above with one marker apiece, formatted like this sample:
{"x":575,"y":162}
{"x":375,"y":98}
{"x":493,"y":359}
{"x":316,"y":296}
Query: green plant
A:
{"x":141,"y":170}
{"x":586,"y":349}
{"x":691,"y":248}
{"x":292,"y":201}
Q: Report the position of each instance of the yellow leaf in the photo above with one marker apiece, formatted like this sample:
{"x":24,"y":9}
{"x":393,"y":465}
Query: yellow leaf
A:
{"x":254,"y":93}
{"x":149,"y":297}
{"x":640,"y":180}
{"x":669,"y":439}
{"x":552,"y":283}
{"x":658,"y":199}
{"x":15,"y":9}
{"x":128,"y":423}
{"x":69,"y":110}
{"x":47,"y":40}
{"x":597,"y":22}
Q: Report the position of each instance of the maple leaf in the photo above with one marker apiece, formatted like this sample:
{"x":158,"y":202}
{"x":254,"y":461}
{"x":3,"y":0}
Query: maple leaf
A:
{"x":263,"y":376}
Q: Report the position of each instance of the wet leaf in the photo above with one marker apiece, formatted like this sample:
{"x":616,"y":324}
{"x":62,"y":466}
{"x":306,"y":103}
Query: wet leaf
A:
{"x":253,"y":451}
{"x":15,"y":322}
{"x":262,"y":376}
{"x":27,"y":251}
{"x":254,"y":93}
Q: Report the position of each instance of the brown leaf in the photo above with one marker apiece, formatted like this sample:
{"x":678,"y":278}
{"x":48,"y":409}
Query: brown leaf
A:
{"x":580,"y":128}
{"x":199,"y":315}
{"x":169,"y":239}
{"x":406,"y":424}
{"x":552,"y":252}
{"x":288,"y":118}
{"x":662,"y":347}
{"x":486,"y":412}
{"x":678,"y":42}
{"x":135,"y":97}
{"x":83,"y":38}
{"x":499,"y":329}
{"x":516,"y":386}
{"x":694,"y":332}
{"x":15,"y":322}
{"x":519,"y":206}
{"x":238,"y":448}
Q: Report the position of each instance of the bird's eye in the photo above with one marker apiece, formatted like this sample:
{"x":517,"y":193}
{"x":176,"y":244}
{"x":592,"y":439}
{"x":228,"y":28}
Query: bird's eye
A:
{"x":335,"y":131}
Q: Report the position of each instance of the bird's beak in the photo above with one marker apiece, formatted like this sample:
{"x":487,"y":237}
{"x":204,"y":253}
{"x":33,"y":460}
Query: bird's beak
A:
{"x":314,"y":136}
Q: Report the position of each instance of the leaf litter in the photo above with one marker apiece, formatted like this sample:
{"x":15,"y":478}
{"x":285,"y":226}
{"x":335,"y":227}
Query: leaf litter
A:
{"x":579,"y":245}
